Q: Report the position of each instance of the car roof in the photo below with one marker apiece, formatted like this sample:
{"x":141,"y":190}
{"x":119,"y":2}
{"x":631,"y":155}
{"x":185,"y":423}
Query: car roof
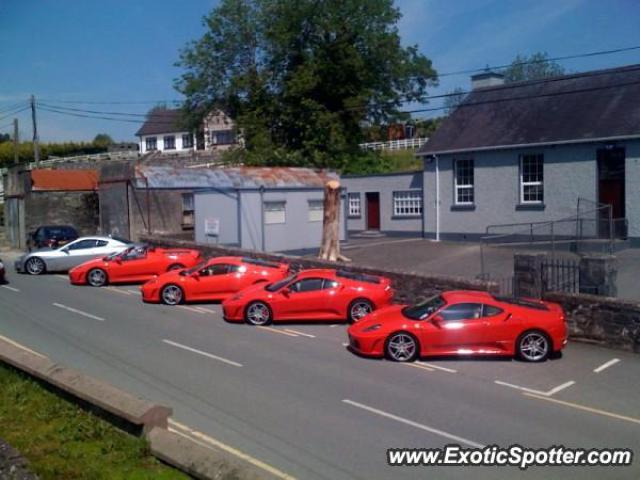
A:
{"x":314,"y":272}
{"x":228,"y":259}
{"x":467,"y":296}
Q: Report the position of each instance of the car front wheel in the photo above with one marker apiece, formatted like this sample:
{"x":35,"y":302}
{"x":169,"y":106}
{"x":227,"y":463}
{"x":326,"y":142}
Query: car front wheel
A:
{"x":401,"y":347}
{"x":35,"y":266}
{"x":97,"y":277}
{"x":258,"y":313}
{"x":171,"y":295}
{"x":533,"y":346}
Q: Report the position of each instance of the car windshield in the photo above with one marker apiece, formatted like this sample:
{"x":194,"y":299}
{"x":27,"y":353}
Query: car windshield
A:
{"x":121,"y":253}
{"x":274,"y":287}
{"x":422,"y":310}
{"x":193,"y":270}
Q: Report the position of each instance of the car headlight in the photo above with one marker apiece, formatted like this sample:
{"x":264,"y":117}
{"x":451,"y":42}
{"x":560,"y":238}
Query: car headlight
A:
{"x":373,"y":328}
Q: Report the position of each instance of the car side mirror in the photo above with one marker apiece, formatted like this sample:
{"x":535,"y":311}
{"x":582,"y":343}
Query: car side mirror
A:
{"x":437,"y":320}
{"x":195,"y":275}
{"x":66,"y":250}
{"x":286,"y":292}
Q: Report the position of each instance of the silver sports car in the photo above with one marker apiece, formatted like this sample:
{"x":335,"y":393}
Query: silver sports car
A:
{"x":72,"y":254}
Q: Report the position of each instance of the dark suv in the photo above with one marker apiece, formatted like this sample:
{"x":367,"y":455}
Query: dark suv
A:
{"x":51,"y":236}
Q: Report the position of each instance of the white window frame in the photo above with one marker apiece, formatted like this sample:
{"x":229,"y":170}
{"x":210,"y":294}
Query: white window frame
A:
{"x":532,"y":183}
{"x":148,"y":141}
{"x":462,"y":187}
{"x":189,"y":143}
{"x":355,"y":204}
{"x":407,"y":203}
{"x":275,"y":212}
{"x":169,"y":142}
{"x":316,"y":210}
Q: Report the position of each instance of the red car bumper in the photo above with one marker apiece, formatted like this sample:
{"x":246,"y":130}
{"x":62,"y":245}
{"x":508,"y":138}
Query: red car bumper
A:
{"x":150,"y":293}
{"x":233,"y":312}
{"x":367,"y":345}
{"x":77,"y":277}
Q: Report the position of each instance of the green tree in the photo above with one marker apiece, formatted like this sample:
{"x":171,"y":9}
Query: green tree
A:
{"x":533,"y":67}
{"x":453,"y":101}
{"x":103,"y":140}
{"x":4,"y":137}
{"x":300,"y":78}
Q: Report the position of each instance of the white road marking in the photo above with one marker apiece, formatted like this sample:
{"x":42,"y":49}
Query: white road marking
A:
{"x":203,"y":310}
{"x":188,"y":432}
{"x":208,"y":310}
{"x":79,"y":312}
{"x":204,"y":354}
{"x":334,"y":325}
{"x":10,"y":288}
{"x":608,"y":364}
{"x":537,"y":392}
{"x":116,"y":290}
{"x":191,"y":309}
{"x":586,"y":409}
{"x":61,"y":276}
{"x":345,"y":344}
{"x":281,"y":332}
{"x":19,"y":345}
{"x":411,"y":423}
{"x":296,"y":332}
{"x":418,"y":365}
{"x":135,"y":292}
{"x":437,"y":367}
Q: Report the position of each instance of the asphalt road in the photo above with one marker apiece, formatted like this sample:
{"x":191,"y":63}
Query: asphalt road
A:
{"x":297,"y":402}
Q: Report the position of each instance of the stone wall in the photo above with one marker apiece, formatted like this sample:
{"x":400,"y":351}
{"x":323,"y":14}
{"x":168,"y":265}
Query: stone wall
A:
{"x":409,"y":286}
{"x":79,"y":209}
{"x":605,"y":321}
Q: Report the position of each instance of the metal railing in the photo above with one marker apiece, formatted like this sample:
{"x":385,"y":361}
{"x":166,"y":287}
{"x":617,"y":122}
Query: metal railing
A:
{"x":405,"y":144}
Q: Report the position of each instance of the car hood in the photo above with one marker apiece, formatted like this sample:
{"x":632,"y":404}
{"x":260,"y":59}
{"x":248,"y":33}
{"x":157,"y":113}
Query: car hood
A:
{"x":386,"y":314}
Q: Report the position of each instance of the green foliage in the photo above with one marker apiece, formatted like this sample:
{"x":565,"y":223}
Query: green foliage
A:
{"x":47,"y":150}
{"x":103,"y":140}
{"x":455,"y":98}
{"x":60,"y":440}
{"x":300,"y":77}
{"x":4,"y":137}
{"x":533,"y":67}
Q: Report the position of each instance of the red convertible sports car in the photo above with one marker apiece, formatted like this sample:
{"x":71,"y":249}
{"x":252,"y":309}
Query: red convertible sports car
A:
{"x":136,"y":264}
{"x":462,"y":323}
{"x":213,"y":280}
{"x":310,"y":295}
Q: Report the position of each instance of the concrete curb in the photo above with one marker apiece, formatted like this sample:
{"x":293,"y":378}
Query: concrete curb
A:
{"x":198,"y":461}
{"x":134,"y":415}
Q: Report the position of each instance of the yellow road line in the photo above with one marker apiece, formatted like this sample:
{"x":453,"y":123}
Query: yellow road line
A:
{"x":273,"y":330}
{"x":585,"y":408}
{"x":234,"y":451}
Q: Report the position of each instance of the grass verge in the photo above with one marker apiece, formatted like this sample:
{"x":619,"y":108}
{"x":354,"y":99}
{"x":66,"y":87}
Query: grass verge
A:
{"x":60,"y":440}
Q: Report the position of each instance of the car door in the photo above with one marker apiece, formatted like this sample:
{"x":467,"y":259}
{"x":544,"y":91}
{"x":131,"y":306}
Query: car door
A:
{"x":76,"y":253}
{"x":132,"y":266}
{"x":501,"y":329}
{"x":455,"y":329}
{"x":211,"y":282}
{"x":304,"y":299}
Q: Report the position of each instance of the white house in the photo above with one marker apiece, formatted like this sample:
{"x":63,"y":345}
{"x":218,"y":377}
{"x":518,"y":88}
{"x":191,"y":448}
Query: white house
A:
{"x":164,"y":131}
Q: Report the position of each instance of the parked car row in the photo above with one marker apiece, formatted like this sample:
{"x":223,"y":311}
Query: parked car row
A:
{"x":259,"y":292}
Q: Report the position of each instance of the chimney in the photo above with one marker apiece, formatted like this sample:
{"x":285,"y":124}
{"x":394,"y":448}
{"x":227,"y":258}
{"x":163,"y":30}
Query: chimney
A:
{"x":486,"y":79}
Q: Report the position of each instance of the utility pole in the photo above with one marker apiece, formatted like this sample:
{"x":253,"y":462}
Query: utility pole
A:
{"x":16,"y":142}
{"x":36,"y":147}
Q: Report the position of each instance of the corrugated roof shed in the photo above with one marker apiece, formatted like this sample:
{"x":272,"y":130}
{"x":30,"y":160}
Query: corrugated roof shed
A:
{"x":161,"y":177}
{"x":578,"y":107}
{"x":64,"y":180}
{"x":163,"y":121}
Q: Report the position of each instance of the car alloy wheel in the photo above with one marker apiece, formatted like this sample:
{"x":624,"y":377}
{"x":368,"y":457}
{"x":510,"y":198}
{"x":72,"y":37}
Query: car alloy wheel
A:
{"x":359,"y":309}
{"x":533,"y":346}
{"x":172,"y":295}
{"x":97,"y":277}
{"x":402,"y":347}
{"x":35,"y":266}
{"x":258,"y":313}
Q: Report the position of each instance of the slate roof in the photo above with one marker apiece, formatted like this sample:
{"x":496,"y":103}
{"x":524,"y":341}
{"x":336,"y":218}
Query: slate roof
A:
{"x":63,"y":180}
{"x":162,"y":121}
{"x":163,"y":177}
{"x":590,"y":106}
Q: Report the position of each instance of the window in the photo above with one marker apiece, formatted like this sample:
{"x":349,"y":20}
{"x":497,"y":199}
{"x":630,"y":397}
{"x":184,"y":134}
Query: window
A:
{"x":464,"y":182}
{"x":329,"y":284}
{"x":424,"y":309}
{"x":407,"y":204}
{"x":307,"y":285}
{"x":151,"y":144}
{"x":187,"y":210}
{"x":491,"y":311}
{"x":531,"y":178}
{"x":217,"y":269}
{"x":354,"y":204}
{"x":223,"y":137}
{"x":82,"y":244}
{"x":316,"y":210}
{"x":187,"y":140}
{"x":462,"y":311}
{"x":169,"y":142}
{"x":101,"y":243}
{"x":274,"y":212}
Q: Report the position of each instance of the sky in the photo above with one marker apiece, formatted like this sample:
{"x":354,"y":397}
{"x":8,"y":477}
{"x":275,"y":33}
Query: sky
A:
{"x":125,"y":51}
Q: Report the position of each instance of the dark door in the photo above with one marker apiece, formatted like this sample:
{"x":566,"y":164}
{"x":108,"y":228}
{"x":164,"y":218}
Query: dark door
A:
{"x":611,"y":179}
{"x":373,"y":210}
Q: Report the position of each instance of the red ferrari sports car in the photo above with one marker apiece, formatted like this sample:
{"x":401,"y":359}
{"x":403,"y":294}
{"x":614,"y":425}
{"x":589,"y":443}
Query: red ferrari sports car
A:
{"x":310,"y":295}
{"x":462,"y":323}
{"x":216,"y":279}
{"x":136,"y":264}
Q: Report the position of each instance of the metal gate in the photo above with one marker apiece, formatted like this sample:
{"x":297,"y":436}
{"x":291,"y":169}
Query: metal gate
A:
{"x":560,"y":275}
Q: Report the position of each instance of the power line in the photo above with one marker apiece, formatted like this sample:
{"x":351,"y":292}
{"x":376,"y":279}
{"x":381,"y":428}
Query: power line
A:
{"x":54,"y":110}
{"x":15,"y":112}
{"x":6,"y":109}
{"x":93,"y":111}
{"x":115,"y":102}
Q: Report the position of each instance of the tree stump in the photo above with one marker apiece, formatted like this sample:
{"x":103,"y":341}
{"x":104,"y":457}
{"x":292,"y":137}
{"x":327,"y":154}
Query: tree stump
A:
{"x":330,"y":246}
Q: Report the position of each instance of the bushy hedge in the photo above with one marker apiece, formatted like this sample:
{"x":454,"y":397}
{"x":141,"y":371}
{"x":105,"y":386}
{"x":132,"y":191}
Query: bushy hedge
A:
{"x":47,"y":150}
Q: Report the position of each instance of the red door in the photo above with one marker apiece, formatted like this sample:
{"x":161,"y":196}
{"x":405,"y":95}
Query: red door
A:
{"x":373,"y":211}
